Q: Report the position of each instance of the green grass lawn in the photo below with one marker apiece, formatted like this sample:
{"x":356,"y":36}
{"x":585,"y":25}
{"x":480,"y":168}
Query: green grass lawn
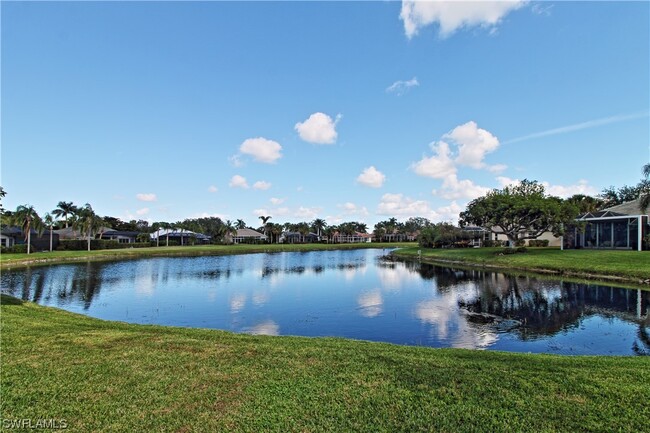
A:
{"x":116,"y":377}
{"x":16,"y":260}
{"x":600,"y":264}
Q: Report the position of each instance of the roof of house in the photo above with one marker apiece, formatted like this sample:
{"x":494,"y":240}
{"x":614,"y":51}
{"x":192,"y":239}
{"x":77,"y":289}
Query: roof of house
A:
{"x":629,"y":208}
{"x":249,"y":233}
{"x":176,"y":232}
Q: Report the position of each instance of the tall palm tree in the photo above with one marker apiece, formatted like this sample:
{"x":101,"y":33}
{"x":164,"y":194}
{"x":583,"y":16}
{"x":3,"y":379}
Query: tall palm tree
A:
{"x":48,"y":220}
{"x":88,"y":222}
{"x":65,"y":209}
{"x":27,"y":219}
{"x":318,"y":225}
{"x":265,"y":220}
{"x":240,"y":224}
{"x":229,"y":230}
{"x":645,"y":195}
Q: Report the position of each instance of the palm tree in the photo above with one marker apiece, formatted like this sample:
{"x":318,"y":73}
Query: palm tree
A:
{"x":645,"y":195}
{"x":27,"y":219}
{"x":48,"y":220}
{"x":240,"y":224}
{"x":318,"y":225}
{"x":64,"y":210}
{"x":229,"y":230}
{"x":3,"y":193}
{"x":265,"y":220}
{"x":88,"y":222}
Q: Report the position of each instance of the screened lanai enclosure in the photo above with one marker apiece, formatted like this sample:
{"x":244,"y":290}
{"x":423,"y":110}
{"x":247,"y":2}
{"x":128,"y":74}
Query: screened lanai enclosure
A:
{"x":620,"y":227}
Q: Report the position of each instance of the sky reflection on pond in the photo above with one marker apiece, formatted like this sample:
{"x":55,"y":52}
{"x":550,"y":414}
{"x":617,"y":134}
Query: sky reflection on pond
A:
{"x":354,"y":294}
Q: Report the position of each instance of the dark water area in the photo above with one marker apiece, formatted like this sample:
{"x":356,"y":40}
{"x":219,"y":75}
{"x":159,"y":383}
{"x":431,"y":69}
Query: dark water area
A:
{"x":356,"y":294}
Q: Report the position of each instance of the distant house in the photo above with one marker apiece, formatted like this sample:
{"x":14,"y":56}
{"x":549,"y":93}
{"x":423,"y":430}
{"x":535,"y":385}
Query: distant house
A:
{"x":619,"y":227}
{"x":122,"y":237}
{"x":10,"y":236}
{"x":247,"y":236}
{"x":181,"y":237}
{"x":477,"y":235}
{"x":340,"y":238}
{"x":105,"y":233}
{"x":553,"y":241}
{"x":298,"y":238}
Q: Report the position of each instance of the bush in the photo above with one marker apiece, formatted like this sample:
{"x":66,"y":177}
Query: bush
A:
{"x":491,"y":243}
{"x":16,"y":249}
{"x":97,"y":244}
{"x":538,"y":243}
{"x":517,"y":250}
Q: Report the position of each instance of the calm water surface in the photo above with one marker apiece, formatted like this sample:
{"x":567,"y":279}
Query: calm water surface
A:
{"x":354,"y":294}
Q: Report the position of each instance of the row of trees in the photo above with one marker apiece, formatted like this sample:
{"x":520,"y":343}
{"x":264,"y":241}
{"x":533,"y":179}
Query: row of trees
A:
{"x":522,"y":211}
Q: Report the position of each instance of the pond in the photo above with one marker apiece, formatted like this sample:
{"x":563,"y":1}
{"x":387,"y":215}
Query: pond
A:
{"x":360,"y":294}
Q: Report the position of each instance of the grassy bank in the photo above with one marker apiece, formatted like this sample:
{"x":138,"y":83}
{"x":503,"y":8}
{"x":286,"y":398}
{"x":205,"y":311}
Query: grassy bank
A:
{"x":18,"y":260}
{"x":108,"y":376}
{"x":632,"y":266}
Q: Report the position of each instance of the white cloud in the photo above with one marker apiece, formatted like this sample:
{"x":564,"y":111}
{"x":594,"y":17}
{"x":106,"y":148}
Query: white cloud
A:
{"x":582,"y":187}
{"x":438,"y":166}
{"x":277,"y":201}
{"x":453,"y":15}
{"x":146,"y":197}
{"x":261,"y":149}
{"x":143,"y":211}
{"x":262,"y":185}
{"x":452,"y":189}
{"x":236,"y":161}
{"x":260,"y":212}
{"x":238,"y":181}
{"x":496,"y":168}
{"x":308,"y":213}
{"x":580,"y":126}
{"x":398,"y":205}
{"x":564,"y":191}
{"x":400,"y":87}
{"x":350,"y":208}
{"x":318,"y":129}
{"x":473,"y":144}
{"x":212,"y":188}
{"x":371,"y":177}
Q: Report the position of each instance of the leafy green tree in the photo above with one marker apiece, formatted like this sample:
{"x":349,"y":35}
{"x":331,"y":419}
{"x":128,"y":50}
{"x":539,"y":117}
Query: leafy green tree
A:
{"x":520,"y":212}
{"x":65,"y":210}
{"x":586,"y":203}
{"x":88,"y":222}
{"x":27,"y":219}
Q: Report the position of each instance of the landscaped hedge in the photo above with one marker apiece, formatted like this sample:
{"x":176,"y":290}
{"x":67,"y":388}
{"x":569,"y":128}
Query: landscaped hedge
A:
{"x":490,"y":243}
{"x":16,"y":249}
{"x":538,"y":243}
{"x":97,"y":244}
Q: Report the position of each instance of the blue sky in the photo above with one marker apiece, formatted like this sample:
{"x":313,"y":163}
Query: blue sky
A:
{"x":335,"y":110}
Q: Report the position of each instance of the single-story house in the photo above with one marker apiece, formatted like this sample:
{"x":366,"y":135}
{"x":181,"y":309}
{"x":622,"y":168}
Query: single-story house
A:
{"x":339,"y":238}
{"x":297,"y":237}
{"x":244,"y":236}
{"x":122,"y":237}
{"x":10,"y":236}
{"x":477,"y":235}
{"x":624,"y":226}
{"x":180,"y":236}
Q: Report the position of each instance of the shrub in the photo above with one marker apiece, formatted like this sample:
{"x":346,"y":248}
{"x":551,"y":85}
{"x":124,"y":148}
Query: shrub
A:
{"x":517,"y":250}
{"x":538,"y":243}
{"x":97,"y":244}
{"x":16,"y":249}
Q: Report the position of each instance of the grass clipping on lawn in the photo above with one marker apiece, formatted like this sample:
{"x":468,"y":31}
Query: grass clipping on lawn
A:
{"x":109,"y":376}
